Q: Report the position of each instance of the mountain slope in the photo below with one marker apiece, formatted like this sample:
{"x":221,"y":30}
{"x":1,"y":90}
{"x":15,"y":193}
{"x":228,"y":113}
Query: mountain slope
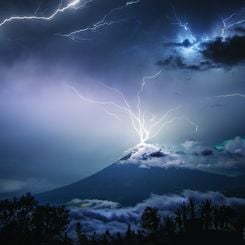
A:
{"x":129,"y":184}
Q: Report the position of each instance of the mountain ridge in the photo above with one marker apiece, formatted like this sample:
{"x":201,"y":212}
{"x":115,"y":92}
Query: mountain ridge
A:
{"x":129,"y":184}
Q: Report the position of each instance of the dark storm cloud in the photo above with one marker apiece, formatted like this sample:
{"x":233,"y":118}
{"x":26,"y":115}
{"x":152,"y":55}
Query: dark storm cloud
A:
{"x":177,"y":62}
{"x":39,"y":38}
{"x":217,"y":53}
{"x":229,"y":52}
{"x":240,"y":30}
{"x":186,"y":44}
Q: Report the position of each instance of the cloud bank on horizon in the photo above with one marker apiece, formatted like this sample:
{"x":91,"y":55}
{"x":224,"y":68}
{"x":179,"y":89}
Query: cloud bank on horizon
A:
{"x":99,"y":215}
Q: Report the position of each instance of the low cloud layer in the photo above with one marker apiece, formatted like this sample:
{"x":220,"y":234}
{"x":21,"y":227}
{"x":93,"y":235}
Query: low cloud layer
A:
{"x":236,"y":146}
{"x":106,"y":215}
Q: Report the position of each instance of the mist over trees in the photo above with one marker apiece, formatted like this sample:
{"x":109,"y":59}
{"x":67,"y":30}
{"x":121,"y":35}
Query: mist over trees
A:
{"x":24,"y":221}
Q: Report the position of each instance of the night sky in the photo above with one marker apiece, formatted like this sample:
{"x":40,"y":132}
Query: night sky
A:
{"x":51,"y":137}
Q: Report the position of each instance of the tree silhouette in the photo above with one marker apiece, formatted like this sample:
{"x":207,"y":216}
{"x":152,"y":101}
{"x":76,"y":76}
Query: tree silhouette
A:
{"x":129,"y":235}
{"x":179,"y":221}
{"x":81,"y":238}
{"x":206,"y":214}
{"x":24,"y":221}
{"x":191,"y":207}
{"x":150,"y":221}
{"x":225,"y":214}
{"x":169,"y":227}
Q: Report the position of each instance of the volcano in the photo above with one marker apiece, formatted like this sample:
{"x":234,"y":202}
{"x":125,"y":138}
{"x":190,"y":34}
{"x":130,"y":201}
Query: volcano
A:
{"x":144,"y":171}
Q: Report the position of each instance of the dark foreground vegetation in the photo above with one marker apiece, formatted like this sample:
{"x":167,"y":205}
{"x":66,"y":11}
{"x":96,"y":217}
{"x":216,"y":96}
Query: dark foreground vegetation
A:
{"x":24,"y":221}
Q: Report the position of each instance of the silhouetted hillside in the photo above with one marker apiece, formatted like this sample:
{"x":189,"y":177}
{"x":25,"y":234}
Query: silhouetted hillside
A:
{"x":128,"y":184}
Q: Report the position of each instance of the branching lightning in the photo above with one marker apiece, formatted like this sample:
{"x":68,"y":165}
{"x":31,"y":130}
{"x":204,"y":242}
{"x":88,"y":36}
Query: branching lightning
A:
{"x":229,"y":22}
{"x":182,"y":25}
{"x":145,"y":129}
{"x":112,"y":114}
{"x":144,"y":133}
{"x":233,"y":20}
{"x":73,"y":4}
{"x":38,"y":8}
{"x":93,"y":28}
{"x":101,"y":23}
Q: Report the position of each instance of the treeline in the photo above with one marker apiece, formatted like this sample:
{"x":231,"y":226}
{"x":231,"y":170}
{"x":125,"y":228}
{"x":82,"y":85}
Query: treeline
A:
{"x":24,"y":221}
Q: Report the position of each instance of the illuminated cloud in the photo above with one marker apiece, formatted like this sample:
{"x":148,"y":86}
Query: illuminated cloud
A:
{"x":227,"y":157}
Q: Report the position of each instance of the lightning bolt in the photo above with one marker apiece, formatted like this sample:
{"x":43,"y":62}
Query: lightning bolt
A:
{"x":132,"y":2}
{"x":101,"y":23}
{"x":228,"y":22}
{"x":38,"y":8}
{"x":182,"y":25}
{"x":72,"y":35}
{"x":235,"y":19}
{"x":59,"y":10}
{"x":145,"y":130}
{"x":230,"y":95}
{"x":112,"y":114}
{"x":132,"y":116}
{"x":188,"y":120}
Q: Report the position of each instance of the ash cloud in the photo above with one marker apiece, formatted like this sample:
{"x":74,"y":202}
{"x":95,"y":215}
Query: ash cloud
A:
{"x":227,"y":157}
